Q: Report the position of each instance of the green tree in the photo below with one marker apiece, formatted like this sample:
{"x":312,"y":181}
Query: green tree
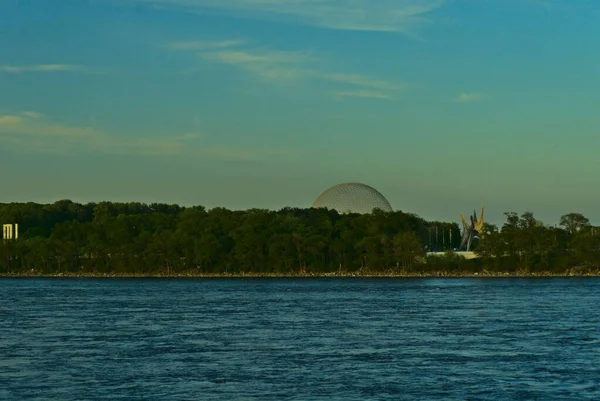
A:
{"x":574,"y":222}
{"x":407,"y":247}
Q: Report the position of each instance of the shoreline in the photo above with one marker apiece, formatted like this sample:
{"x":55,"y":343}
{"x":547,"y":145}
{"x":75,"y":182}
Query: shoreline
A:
{"x":443,"y":274}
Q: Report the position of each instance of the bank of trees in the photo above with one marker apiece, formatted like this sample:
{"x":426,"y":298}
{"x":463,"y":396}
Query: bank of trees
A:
{"x":525,"y":243}
{"x":151,"y":238}
{"x":139,"y":238}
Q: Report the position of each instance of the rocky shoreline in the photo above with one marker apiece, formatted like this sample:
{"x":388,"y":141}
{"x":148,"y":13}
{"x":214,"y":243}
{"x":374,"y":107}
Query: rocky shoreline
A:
{"x":574,"y":272}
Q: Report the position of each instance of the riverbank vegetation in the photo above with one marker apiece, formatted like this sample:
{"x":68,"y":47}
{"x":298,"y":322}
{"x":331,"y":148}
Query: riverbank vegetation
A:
{"x":135,"y":239}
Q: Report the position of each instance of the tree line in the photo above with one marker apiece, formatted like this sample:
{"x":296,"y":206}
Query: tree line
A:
{"x":138,"y":238}
{"x":525,"y":243}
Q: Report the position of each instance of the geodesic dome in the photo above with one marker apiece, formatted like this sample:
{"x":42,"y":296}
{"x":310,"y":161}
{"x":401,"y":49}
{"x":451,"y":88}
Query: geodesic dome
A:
{"x":352,"y":198}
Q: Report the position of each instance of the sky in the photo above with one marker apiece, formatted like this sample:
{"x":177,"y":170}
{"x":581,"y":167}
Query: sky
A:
{"x":441,"y":105}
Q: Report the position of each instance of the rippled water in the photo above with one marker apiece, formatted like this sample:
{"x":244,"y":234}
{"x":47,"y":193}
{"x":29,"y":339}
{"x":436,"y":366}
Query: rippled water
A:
{"x":301,"y":339}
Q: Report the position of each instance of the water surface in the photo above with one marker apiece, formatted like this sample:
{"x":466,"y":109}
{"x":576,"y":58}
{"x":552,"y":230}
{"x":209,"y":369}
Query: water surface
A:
{"x":300,"y":339}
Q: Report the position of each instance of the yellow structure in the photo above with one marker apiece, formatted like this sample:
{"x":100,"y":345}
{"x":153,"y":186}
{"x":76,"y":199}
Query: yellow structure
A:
{"x":10,"y":231}
{"x":471,"y":230}
{"x":477,"y":224}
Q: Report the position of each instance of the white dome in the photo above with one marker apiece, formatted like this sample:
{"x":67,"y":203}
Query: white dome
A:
{"x":352,"y":198}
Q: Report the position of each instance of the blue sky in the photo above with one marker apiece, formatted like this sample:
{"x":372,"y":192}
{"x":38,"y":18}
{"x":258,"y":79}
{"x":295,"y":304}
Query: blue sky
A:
{"x":442,"y":105}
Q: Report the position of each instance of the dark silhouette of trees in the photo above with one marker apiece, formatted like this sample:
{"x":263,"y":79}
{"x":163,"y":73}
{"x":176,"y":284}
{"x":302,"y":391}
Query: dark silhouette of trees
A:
{"x":574,"y":223}
{"x":137,"y":238}
{"x":527,"y":244}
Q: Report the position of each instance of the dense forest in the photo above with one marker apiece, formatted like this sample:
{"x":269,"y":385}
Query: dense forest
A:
{"x":137,"y":238}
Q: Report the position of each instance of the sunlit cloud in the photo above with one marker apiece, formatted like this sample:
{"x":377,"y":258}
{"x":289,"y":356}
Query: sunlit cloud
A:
{"x":273,"y":66}
{"x":33,"y":130}
{"x":245,"y":154}
{"x":361,"y":81}
{"x":30,"y":132}
{"x":204,"y":44}
{"x":362,"y":94}
{"x":17,"y":69}
{"x":243,"y":57}
{"x":9,"y":120}
{"x":31,"y":114}
{"x":285,"y":67}
{"x":469,"y":97}
{"x":361,"y":15}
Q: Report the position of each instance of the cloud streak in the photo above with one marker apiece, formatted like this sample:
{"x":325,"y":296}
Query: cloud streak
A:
{"x":17,"y":69}
{"x":32,"y":132}
{"x":357,"y":15}
{"x":204,"y":45}
{"x":468,"y":97}
{"x":289,"y":67}
{"x":272,"y":66}
{"x":365,"y":94}
{"x":361,"y":81}
{"x":8,"y":120}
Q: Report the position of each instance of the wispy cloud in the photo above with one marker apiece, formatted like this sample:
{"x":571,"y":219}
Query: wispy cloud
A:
{"x":9,"y":120}
{"x":364,"y":15}
{"x":16,"y":69}
{"x":362,"y":94}
{"x":38,"y":133}
{"x":204,"y":45}
{"x":32,"y":114}
{"x":31,"y":132}
{"x":361,"y":81}
{"x":244,"y":58}
{"x":468,"y":97}
{"x":273,"y":66}
{"x":285,"y":67}
{"x":245,"y":154}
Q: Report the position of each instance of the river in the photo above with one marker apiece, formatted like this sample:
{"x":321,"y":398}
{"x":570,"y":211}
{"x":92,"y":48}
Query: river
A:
{"x":300,"y":339}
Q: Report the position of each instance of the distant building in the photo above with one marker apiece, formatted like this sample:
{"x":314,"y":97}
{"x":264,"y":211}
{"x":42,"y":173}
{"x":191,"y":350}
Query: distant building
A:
{"x":352,"y":197}
{"x":10,"y":231}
